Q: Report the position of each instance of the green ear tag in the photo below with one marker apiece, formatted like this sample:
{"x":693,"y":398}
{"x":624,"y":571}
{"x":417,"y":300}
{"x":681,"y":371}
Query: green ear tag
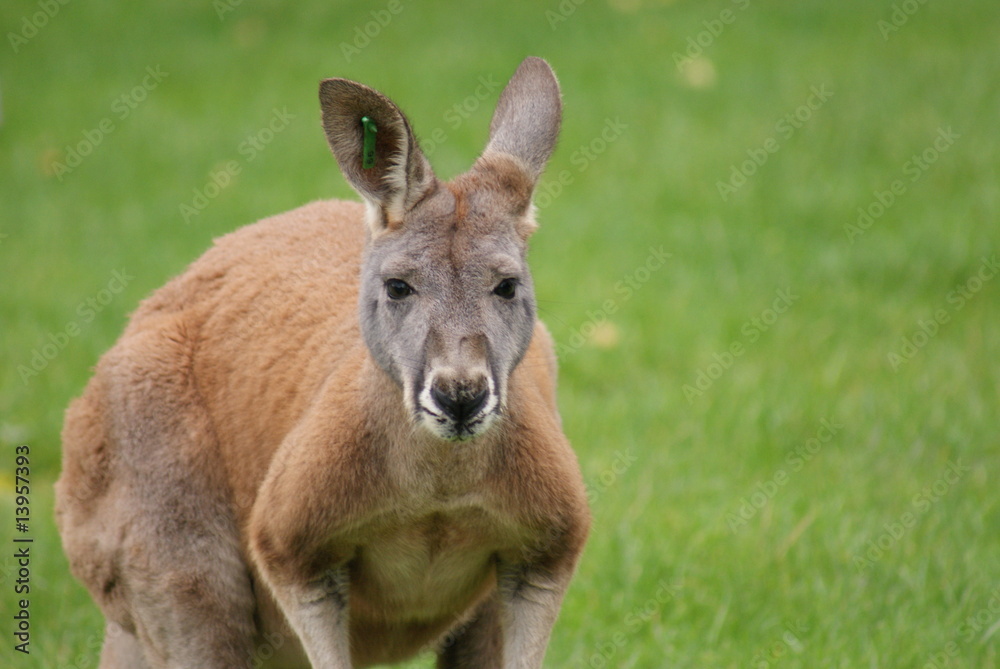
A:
{"x":368,"y":150}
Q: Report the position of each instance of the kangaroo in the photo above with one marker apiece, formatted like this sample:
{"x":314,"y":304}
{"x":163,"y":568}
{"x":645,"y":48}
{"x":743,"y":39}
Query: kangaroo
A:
{"x":333,"y":441}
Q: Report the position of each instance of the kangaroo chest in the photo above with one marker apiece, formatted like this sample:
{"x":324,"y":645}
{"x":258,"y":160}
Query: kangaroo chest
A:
{"x":423,"y":566}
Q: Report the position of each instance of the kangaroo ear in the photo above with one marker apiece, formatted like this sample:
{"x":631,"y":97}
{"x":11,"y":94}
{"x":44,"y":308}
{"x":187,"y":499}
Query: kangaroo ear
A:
{"x":398,"y":175}
{"x":526,"y":122}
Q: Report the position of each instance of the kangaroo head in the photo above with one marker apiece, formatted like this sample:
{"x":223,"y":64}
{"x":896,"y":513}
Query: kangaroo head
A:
{"x":446,"y":302}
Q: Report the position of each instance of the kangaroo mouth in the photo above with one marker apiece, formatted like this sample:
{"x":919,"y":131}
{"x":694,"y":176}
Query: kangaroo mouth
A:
{"x":451,"y":430}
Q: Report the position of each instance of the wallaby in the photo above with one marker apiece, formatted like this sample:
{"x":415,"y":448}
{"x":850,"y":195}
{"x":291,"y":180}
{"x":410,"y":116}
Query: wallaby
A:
{"x":333,"y":441}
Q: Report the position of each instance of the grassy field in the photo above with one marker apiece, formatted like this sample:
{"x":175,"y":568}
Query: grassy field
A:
{"x":768,"y":251}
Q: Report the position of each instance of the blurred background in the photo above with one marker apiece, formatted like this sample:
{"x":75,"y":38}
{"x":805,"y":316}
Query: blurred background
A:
{"x":767,"y":251}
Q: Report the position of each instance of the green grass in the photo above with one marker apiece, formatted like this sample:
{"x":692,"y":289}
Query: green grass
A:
{"x":665,"y":581}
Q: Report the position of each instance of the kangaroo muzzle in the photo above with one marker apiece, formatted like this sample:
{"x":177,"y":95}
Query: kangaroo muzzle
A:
{"x":458,"y":406}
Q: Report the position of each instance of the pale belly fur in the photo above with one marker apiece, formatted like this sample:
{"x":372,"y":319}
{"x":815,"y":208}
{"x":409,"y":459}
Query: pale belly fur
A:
{"x":409,"y":577}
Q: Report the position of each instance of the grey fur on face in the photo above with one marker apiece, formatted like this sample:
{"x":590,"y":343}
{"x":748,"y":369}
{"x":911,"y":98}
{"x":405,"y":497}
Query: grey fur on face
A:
{"x":446,"y":304}
{"x":454,"y":331}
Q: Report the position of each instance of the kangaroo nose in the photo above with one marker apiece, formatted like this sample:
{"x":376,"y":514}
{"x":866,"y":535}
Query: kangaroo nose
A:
{"x":459,"y":402}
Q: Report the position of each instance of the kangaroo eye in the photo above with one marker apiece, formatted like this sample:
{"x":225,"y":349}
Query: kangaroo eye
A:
{"x":506,"y":289}
{"x":397,"y":289}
